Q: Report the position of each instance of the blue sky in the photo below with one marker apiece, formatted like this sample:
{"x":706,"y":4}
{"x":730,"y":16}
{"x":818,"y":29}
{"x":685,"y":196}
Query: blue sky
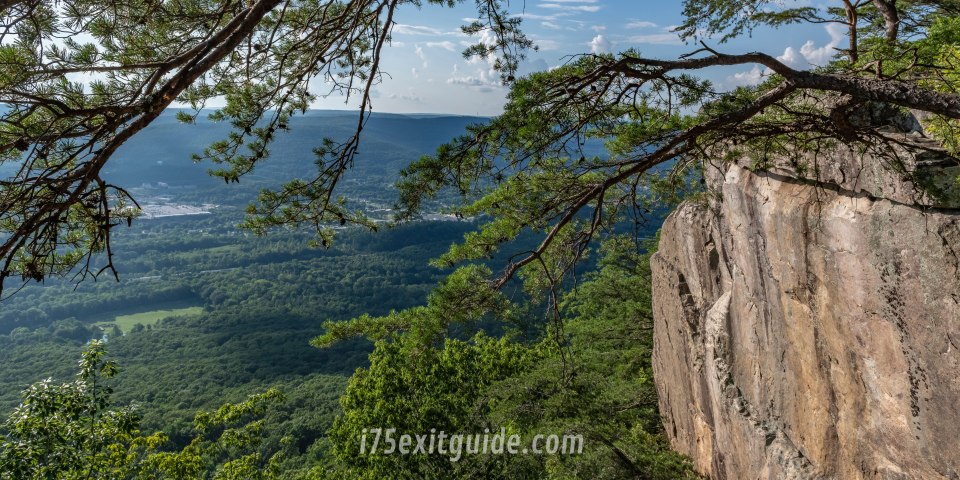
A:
{"x":427,"y":73}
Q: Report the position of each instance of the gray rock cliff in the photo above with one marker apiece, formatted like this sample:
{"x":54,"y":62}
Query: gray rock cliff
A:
{"x":812,"y":330}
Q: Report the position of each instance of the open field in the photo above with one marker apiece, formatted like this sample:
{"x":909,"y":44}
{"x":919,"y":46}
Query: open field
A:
{"x":160,"y":211}
{"x":127,"y":319}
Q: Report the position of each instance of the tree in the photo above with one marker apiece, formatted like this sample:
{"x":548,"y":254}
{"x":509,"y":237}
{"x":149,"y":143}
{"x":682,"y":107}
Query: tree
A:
{"x":531,"y":168}
{"x":469,"y":388}
{"x":416,"y":393}
{"x":65,"y":431}
{"x":69,"y":431}
{"x":598,"y":381}
{"x":57,"y":212}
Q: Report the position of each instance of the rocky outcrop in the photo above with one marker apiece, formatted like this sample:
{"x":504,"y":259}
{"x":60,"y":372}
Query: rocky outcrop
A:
{"x":812,"y":329}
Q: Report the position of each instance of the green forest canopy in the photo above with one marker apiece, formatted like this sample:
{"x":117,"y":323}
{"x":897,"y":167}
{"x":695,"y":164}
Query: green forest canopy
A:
{"x":523,"y":171}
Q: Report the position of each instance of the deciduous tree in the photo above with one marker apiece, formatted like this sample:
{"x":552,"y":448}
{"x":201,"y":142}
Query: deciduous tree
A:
{"x":71,"y":432}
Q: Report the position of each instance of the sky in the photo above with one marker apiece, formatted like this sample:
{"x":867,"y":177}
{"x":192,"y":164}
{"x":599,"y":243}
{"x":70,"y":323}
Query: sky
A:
{"x":428,"y":74}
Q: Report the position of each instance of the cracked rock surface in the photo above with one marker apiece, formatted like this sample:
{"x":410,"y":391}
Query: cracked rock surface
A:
{"x":809,"y":332}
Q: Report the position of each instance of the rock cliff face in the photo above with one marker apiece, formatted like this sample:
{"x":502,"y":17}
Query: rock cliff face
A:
{"x":812,"y":331}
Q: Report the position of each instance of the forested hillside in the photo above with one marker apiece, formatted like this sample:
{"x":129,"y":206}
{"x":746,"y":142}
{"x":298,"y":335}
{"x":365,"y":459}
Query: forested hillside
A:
{"x":242,"y":309}
{"x":252,"y":332}
{"x":531,"y":313}
{"x":205,"y":313}
{"x":252,"y":335}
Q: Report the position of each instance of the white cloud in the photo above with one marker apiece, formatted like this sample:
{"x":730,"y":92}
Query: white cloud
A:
{"x":471,"y":81}
{"x":488,"y":38}
{"x":550,"y":25}
{"x":601,"y":45}
{"x":583,"y":8}
{"x":486,"y":76}
{"x":415,"y":75}
{"x":809,"y":55}
{"x":448,"y":45}
{"x":658,"y":39}
{"x":397,"y":44}
{"x":490,"y":77}
{"x":454,"y":69}
{"x":821,"y":56}
{"x":541,"y":17}
{"x":412,"y":97}
{"x":639,"y":24}
{"x":751,"y":77}
{"x":422,"y":55}
{"x":415,"y":30}
{"x":479,"y":61}
{"x":792,"y":58}
{"x":598,"y":28}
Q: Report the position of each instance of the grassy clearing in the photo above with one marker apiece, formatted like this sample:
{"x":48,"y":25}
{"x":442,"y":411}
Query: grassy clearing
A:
{"x":126,"y":320}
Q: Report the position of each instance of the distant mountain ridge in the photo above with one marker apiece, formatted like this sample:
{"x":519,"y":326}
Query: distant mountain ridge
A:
{"x":161,"y":152}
